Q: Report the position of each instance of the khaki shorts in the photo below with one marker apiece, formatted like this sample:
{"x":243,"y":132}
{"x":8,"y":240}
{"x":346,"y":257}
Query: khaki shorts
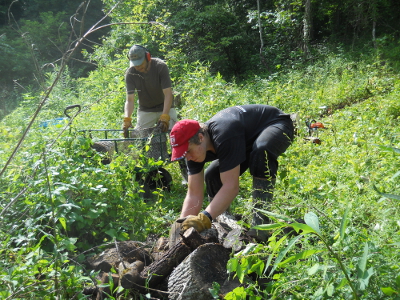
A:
{"x":147,"y":119}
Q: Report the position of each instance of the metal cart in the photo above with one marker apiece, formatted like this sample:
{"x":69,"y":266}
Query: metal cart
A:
{"x":148,"y":143}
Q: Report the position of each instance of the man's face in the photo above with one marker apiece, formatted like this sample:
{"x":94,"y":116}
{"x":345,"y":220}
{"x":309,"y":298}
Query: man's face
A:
{"x":142,"y":68}
{"x":197,"y":153}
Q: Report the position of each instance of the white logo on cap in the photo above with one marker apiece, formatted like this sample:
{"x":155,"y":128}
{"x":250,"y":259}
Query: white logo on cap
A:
{"x":172,"y":138}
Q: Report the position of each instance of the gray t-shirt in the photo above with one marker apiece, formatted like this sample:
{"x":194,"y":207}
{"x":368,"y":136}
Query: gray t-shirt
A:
{"x":150,"y":85}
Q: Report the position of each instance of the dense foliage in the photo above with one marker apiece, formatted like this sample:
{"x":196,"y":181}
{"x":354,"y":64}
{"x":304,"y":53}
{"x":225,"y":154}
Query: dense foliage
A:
{"x":59,"y":203}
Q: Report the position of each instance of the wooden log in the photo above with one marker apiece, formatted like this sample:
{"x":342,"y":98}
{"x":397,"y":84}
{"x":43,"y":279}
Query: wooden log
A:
{"x":130,"y":275}
{"x":192,"y":279}
{"x":128,"y":251}
{"x":158,"y":270}
{"x":194,"y":239}
{"x":232,"y":240}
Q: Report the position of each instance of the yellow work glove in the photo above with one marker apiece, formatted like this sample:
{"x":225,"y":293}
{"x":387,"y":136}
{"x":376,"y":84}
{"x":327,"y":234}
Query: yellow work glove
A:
{"x":200,"y":222}
{"x":163,"y":122}
{"x":127,"y":123}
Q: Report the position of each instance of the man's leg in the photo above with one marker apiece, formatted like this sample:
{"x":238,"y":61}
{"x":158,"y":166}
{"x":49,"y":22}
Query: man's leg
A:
{"x":262,"y":198}
{"x":271,"y":143}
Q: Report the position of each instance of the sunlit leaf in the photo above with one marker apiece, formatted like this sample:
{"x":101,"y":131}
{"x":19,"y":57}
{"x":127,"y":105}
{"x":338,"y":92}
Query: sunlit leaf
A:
{"x":311,"y":220}
{"x":303,"y":227}
{"x":343,"y":223}
{"x":63,"y":223}
{"x":314,"y":269}
{"x":268,"y":226}
{"x":282,"y":253}
{"x":388,"y":291}
{"x":301,"y":255}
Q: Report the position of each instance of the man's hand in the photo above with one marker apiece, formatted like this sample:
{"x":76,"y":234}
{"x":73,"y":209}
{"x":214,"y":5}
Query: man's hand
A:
{"x":163,"y":122}
{"x":200,"y":222}
{"x":127,"y":123}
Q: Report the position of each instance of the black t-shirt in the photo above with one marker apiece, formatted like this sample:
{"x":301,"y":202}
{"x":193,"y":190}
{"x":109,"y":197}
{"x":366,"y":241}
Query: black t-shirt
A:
{"x":233,"y":132}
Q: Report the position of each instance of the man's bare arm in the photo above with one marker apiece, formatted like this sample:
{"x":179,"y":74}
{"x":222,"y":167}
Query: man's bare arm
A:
{"x":195,"y":194}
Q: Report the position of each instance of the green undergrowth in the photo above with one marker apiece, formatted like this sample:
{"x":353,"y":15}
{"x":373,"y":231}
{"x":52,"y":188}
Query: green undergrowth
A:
{"x":60,"y":203}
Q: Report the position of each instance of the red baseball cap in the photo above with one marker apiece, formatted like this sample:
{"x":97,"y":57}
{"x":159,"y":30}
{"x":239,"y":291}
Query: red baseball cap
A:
{"x":180,"y":136}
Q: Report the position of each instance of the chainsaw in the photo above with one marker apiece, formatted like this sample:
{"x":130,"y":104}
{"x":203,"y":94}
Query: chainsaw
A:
{"x":313,"y":127}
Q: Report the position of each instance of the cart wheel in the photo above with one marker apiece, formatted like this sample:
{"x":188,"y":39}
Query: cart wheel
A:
{"x":106,"y":149}
{"x":159,"y":179}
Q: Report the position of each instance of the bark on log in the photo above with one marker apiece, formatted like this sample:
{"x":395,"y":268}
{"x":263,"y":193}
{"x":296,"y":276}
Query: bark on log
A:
{"x":160,"y":269}
{"x":128,"y":251}
{"x":194,"y":239}
{"x":130,"y":275}
{"x":192,"y":279}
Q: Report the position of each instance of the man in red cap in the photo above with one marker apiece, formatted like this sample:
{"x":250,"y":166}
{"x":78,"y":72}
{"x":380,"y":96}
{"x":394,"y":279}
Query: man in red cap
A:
{"x":234,"y":140}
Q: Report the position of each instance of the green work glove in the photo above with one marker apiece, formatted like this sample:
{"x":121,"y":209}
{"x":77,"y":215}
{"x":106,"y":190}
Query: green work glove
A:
{"x":163,"y":122}
{"x":200,"y":222}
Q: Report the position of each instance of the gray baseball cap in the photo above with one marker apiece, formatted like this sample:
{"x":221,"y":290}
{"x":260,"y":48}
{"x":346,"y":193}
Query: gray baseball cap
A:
{"x":136,"y":55}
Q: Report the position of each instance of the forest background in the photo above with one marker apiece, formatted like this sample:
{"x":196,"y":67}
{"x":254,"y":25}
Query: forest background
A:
{"x":333,"y":61}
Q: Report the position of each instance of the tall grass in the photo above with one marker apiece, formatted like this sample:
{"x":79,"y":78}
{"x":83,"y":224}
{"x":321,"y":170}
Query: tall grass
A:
{"x":57,"y":202}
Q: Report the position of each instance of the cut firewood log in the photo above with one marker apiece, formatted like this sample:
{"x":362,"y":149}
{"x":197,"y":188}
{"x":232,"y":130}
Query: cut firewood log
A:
{"x":232,"y":240}
{"x":158,"y":270}
{"x":129,"y":275}
{"x":174,"y":234}
{"x":128,"y":251}
{"x":194,"y":239}
{"x":192,"y":279}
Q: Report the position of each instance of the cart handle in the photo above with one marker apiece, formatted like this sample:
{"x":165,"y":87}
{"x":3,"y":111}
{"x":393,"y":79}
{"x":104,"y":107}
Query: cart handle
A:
{"x":72,"y":107}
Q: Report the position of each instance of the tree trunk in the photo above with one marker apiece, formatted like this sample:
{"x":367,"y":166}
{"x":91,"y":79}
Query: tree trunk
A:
{"x":307,"y":28}
{"x":192,"y":279}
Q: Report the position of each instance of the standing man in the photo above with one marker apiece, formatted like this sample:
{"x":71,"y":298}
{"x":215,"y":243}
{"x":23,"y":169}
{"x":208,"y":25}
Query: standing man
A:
{"x":234,"y":140}
{"x":150,"y":78}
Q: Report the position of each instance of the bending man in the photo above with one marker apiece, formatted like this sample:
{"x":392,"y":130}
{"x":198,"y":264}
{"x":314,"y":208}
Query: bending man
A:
{"x":234,"y":140}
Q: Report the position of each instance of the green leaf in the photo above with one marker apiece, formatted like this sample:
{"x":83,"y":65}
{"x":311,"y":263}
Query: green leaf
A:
{"x":342,"y":283}
{"x":63,"y":223}
{"x":268,"y":226}
{"x":364,"y":281}
{"x":240,"y":273}
{"x":314,"y":269}
{"x":390,"y":196}
{"x":388,"y":148}
{"x":301,"y":255}
{"x":283,"y":253}
{"x":304,"y":227}
{"x":258,"y":267}
{"x":388,"y":291}
{"x":344,"y":222}
{"x":330,"y":289}
{"x":311,"y":220}
{"x":362,"y":263}
{"x":112,"y":232}
{"x":232,"y":264}
{"x":249,"y":248}
{"x":275,"y":215}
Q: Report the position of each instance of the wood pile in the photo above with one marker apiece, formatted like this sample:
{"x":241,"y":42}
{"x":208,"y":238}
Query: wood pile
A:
{"x":185,"y":269}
